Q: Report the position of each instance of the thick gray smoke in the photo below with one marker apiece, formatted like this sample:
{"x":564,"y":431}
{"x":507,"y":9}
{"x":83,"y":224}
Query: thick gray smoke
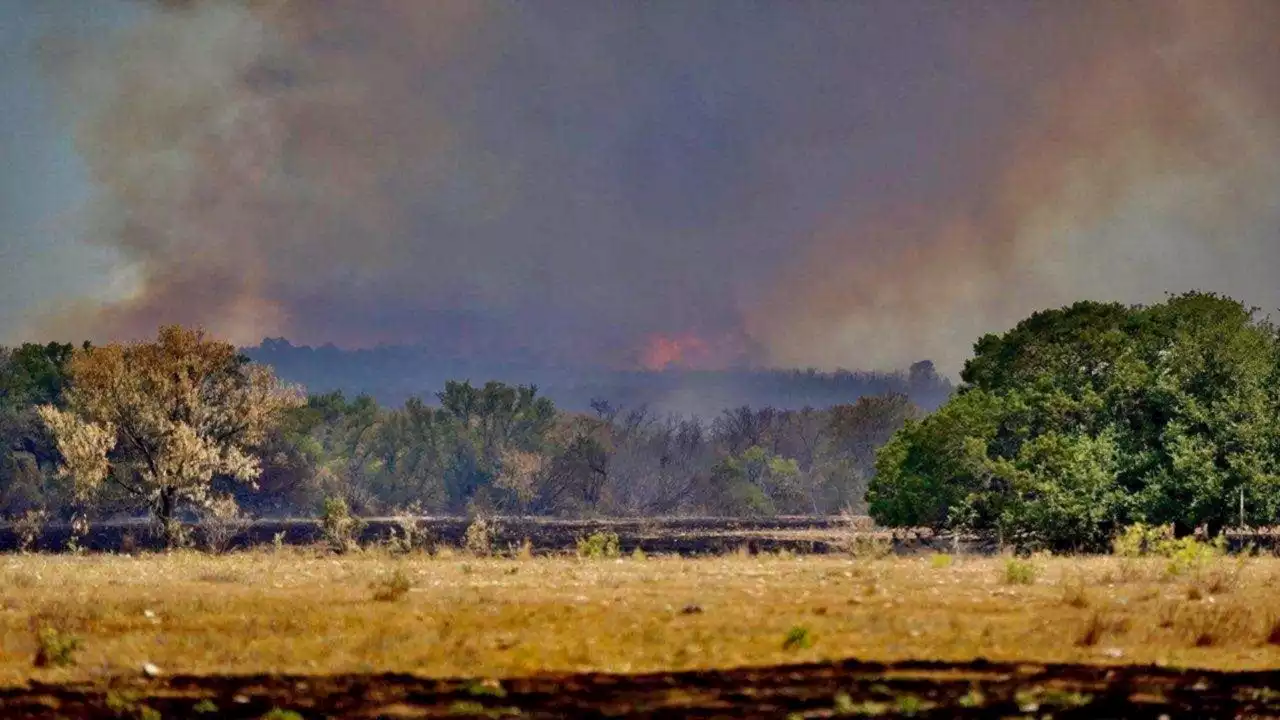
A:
{"x":832,"y":184}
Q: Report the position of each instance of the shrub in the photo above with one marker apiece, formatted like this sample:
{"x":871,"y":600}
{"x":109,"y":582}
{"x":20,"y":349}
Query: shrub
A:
{"x":79,"y":528}
{"x":409,"y":534}
{"x":798,"y":638}
{"x":29,"y":527}
{"x":55,"y":648}
{"x":1019,"y":572}
{"x":525,"y":551}
{"x":941,"y":561}
{"x":479,"y":537}
{"x":340,"y":528}
{"x":392,"y":587}
{"x":1140,"y":540}
{"x":221,"y":523}
{"x":599,"y":545}
{"x":1185,"y":555}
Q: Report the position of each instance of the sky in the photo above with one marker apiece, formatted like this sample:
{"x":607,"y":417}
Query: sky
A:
{"x":630,"y":184}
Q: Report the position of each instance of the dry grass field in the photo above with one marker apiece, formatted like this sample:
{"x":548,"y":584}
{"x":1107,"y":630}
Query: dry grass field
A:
{"x":449,"y":614}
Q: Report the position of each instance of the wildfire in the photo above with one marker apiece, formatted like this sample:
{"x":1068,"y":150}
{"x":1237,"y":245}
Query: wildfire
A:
{"x":667,"y":351}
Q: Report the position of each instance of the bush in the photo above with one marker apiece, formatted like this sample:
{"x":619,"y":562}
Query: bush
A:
{"x":798,"y":638}
{"x":222,"y":522}
{"x":525,"y":551}
{"x":392,"y":587}
{"x":1019,"y":572}
{"x":479,"y":537}
{"x":1140,"y":540}
{"x":599,"y":545}
{"x":1191,"y":556}
{"x":866,"y":546}
{"x":1185,"y":555}
{"x":29,"y":527}
{"x":55,"y":648}
{"x":340,"y":528}
{"x":411,"y":533}
{"x":941,"y":561}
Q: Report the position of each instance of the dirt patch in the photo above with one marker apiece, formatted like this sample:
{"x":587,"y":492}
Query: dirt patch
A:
{"x":918,"y":689}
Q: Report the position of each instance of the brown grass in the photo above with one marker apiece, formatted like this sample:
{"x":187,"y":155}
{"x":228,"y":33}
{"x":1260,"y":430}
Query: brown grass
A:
{"x":308,"y":612}
{"x":1101,"y":625}
{"x":1074,"y":593}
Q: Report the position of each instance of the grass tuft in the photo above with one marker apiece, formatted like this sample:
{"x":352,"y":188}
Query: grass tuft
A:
{"x":391,"y":587}
{"x":1098,"y":626}
{"x":1075,"y":595}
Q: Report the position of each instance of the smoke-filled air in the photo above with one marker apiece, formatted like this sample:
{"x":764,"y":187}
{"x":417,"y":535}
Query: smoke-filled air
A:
{"x":654,"y":185}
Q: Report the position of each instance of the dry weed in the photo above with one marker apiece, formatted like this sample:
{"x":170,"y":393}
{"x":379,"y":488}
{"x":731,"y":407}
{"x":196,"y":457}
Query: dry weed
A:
{"x":1074,"y":594}
{"x":1217,"y":625}
{"x":1273,"y":630}
{"x":391,"y":587}
{"x":1099,"y":625}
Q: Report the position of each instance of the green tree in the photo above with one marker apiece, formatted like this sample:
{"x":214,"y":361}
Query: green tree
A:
{"x":1094,"y":415}
{"x":495,"y":423}
{"x":31,"y":375}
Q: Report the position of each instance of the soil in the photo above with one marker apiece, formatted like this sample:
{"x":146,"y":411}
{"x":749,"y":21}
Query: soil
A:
{"x":682,"y":536}
{"x":919,"y":689}
{"x":688,"y":536}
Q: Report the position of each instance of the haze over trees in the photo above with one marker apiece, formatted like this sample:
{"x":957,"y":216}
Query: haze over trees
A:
{"x":1085,"y":419}
{"x":393,"y":374}
{"x":506,"y":449}
{"x":495,"y":447}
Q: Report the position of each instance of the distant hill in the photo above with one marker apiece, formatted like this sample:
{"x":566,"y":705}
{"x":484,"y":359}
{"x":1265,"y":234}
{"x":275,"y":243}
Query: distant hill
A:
{"x":394,"y":374}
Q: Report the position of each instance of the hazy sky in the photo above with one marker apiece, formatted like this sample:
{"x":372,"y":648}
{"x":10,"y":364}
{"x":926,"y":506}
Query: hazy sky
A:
{"x":858,"y":184}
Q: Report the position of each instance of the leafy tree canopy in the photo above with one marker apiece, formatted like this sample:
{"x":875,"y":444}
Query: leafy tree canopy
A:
{"x":1096,"y":415}
{"x":159,"y":420}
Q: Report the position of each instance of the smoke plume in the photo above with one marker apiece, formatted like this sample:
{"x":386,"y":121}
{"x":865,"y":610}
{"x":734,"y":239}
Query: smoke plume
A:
{"x":1147,"y":161}
{"x":811,"y":184}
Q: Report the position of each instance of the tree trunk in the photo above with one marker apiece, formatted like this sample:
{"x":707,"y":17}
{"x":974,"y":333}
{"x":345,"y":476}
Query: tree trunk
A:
{"x":168,"y":524}
{"x":1213,"y":529}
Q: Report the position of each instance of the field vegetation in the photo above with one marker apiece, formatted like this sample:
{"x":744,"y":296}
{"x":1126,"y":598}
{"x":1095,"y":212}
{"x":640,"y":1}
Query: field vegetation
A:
{"x":458,"y":613}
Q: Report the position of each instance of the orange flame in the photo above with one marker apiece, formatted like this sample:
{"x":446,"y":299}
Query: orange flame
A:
{"x":668,"y":351}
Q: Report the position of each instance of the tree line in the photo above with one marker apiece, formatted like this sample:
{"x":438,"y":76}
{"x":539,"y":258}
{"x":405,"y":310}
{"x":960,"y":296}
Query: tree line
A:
{"x":393,"y":374}
{"x":186,"y":426}
{"x":1074,"y":425}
